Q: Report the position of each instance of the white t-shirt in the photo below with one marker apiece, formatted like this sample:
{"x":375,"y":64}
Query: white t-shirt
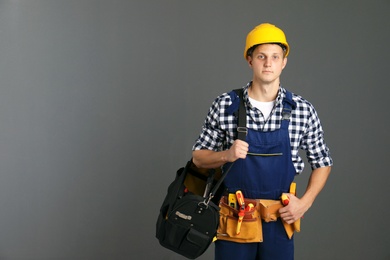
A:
{"x":264,"y":107}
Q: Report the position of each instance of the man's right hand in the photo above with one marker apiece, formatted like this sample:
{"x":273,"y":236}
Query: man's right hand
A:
{"x":238,"y":150}
{"x":211,"y":159}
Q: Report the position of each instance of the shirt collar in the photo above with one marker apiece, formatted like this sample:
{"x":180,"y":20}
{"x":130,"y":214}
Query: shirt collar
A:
{"x":281,"y":95}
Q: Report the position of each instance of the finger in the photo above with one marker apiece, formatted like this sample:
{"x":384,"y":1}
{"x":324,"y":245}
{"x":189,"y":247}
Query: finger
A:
{"x":241,"y":143}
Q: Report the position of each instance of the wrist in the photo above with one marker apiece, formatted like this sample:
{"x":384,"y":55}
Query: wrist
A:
{"x":224,"y":157}
{"x":307,"y":202}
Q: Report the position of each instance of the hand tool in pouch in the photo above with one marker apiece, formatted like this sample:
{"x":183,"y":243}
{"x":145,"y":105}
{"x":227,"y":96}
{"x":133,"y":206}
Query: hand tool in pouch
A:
{"x":232,"y":200}
{"x":241,"y":214}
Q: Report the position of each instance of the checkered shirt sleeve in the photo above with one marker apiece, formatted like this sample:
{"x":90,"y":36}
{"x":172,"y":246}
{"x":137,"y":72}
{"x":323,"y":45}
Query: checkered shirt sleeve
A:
{"x":219,"y":129}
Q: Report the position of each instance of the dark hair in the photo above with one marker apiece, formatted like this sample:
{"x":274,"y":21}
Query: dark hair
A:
{"x":252,"y":49}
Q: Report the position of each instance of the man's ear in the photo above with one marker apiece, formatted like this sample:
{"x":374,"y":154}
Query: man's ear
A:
{"x":284,"y":62}
{"x":249,"y":60}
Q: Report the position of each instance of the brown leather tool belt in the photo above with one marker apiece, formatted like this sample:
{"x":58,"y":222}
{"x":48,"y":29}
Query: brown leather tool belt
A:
{"x":251,"y":225}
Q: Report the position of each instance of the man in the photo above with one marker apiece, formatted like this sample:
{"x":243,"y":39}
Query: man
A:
{"x":267,"y":161}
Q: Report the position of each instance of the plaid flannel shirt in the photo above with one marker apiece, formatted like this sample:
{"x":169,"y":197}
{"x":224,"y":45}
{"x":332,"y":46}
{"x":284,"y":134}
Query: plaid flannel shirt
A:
{"x":220,"y":128}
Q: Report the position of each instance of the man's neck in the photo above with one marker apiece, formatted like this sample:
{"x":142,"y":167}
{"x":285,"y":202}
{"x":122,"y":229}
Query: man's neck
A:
{"x":263,"y":92}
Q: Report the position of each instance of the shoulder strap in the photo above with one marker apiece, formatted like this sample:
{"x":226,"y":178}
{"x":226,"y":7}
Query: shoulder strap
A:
{"x":241,"y":120}
{"x":288,"y":106}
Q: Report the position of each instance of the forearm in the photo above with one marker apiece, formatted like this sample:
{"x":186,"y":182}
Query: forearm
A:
{"x":316,"y":183}
{"x":209,"y":159}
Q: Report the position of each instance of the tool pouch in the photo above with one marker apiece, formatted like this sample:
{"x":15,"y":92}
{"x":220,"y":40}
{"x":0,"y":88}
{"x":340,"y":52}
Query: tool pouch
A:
{"x":251,"y":228}
{"x":269,"y":211}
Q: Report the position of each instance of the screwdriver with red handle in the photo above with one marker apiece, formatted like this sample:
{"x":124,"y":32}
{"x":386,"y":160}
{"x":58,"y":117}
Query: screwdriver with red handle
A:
{"x":241,"y":204}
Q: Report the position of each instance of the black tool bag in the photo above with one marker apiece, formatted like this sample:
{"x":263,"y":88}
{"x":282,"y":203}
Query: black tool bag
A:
{"x":188,"y":220}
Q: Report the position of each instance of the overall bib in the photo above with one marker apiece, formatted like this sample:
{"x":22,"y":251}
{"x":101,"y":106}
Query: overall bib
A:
{"x":266,"y":173}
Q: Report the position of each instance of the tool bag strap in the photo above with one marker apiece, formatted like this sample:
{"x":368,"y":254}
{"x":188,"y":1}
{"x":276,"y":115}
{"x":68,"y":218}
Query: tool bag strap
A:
{"x":241,"y":120}
{"x":242,"y":131}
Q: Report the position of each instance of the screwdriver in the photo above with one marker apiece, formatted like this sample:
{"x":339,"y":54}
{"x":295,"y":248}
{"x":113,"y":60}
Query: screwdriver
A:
{"x":241,"y":203}
{"x":285,"y":199}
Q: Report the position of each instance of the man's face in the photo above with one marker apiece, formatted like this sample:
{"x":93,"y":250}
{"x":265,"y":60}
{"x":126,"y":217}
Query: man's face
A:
{"x":267,"y":62}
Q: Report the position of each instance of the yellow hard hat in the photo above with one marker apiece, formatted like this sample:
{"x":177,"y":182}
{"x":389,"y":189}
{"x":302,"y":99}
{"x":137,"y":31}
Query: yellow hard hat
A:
{"x":265,"y":33}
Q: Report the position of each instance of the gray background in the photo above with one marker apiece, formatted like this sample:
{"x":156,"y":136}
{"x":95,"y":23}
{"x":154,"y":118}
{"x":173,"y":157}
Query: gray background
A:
{"x":101,"y":101}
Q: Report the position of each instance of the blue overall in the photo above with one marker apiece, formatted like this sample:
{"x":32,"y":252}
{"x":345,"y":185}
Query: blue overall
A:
{"x":266,"y":173}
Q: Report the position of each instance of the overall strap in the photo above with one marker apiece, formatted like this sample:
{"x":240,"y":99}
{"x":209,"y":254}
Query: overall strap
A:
{"x":288,"y":106}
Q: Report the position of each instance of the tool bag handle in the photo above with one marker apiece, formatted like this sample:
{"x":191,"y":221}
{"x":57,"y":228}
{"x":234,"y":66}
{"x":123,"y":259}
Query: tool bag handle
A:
{"x":242,"y":132}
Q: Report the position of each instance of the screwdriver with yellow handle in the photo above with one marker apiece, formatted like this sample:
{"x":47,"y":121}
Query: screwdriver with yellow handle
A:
{"x":284,"y":198}
{"x":241,"y":204}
